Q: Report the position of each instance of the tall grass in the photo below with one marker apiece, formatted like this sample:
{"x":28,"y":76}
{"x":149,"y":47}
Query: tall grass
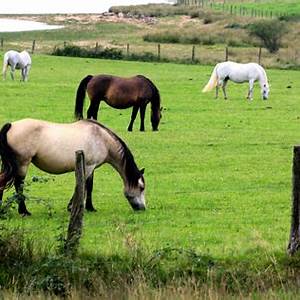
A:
{"x":27,"y":269}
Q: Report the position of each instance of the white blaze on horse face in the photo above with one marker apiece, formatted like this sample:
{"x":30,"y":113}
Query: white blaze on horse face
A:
{"x":136,"y":195}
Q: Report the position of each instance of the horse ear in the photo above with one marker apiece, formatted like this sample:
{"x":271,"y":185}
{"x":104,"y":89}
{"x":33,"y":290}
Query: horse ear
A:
{"x":142,"y":171}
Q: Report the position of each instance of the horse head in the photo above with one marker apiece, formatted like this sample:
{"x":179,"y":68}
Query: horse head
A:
{"x":155,"y":118}
{"x":265,"y":91}
{"x":135,"y":193}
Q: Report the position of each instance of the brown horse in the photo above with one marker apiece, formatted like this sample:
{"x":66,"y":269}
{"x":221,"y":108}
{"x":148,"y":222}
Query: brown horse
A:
{"x":51,"y":147}
{"x":120,"y":93}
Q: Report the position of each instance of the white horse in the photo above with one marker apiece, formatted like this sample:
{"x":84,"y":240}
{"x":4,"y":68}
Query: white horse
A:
{"x":239,"y":73}
{"x":17,"y":60}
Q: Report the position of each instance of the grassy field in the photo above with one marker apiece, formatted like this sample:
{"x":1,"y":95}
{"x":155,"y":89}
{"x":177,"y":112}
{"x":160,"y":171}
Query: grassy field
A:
{"x":282,"y":7}
{"x":218,"y":173}
{"x":210,"y":33}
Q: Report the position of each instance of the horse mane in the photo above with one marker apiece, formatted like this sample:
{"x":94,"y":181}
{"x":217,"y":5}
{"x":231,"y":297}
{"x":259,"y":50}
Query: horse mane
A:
{"x":9,"y":167}
{"x":265,"y":74}
{"x":155,"y":101}
{"x":131,"y":170}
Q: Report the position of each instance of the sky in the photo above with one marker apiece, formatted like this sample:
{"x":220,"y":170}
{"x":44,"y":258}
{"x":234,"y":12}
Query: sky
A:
{"x":64,"y":6}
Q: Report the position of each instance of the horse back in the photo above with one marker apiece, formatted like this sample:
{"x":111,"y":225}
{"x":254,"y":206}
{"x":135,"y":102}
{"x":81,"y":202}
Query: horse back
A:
{"x":52,"y":146}
{"x":119,"y":92}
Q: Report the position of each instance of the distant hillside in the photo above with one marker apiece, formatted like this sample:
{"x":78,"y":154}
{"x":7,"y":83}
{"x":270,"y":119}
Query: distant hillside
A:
{"x":250,"y":7}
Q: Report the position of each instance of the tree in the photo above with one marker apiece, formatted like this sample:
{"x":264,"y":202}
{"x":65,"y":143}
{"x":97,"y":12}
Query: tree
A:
{"x":269,"y":32}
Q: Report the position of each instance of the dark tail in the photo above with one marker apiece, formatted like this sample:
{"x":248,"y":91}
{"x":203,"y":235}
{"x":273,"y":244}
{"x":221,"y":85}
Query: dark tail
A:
{"x":9,"y":168}
{"x":80,"y":95}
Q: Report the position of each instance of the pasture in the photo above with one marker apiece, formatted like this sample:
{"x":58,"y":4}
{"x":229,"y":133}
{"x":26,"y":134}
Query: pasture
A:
{"x":218,"y":173}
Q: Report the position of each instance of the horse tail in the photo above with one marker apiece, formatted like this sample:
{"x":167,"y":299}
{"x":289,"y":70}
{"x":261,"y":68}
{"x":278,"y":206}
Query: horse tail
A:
{"x":9,"y":168}
{"x":5,"y":65}
{"x":80,"y":95}
{"x":212,"y":81}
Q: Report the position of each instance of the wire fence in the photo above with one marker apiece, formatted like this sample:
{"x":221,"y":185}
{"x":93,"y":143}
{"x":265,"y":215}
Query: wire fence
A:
{"x":234,"y":9}
{"x":288,"y":57}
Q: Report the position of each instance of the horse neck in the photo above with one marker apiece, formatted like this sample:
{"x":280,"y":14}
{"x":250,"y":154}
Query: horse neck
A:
{"x":121,"y":159}
{"x":262,"y":78}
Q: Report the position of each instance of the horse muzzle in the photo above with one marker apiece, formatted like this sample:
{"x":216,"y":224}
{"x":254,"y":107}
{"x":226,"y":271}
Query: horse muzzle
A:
{"x":135,"y":202}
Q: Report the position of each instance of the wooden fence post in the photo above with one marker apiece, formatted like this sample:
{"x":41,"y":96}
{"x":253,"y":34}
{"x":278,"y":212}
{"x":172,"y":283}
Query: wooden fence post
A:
{"x":294,"y":242}
{"x":226,"y":54}
{"x":96,"y":48}
{"x":33,"y":47}
{"x":158,"y":51}
{"x":259,"y":55}
{"x":75,"y":225}
{"x":2,"y":43}
{"x":127,"y":50}
{"x":193,"y":53}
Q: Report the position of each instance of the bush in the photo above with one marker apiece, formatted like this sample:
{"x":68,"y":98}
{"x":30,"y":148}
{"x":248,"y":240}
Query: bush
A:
{"x":269,"y":32}
{"x":75,"y":51}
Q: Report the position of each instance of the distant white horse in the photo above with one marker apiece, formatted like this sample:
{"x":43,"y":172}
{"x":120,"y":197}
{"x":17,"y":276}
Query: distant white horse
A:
{"x":17,"y":61}
{"x":239,"y":73}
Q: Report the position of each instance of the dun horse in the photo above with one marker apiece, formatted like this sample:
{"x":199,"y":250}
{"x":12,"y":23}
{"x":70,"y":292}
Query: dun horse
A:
{"x":119,"y":93}
{"x":17,"y":61}
{"x":239,"y":73}
{"x":51,"y":147}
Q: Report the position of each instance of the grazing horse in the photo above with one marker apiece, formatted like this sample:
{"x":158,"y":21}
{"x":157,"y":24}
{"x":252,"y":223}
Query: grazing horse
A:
{"x":51,"y":147}
{"x":121,"y":93}
{"x":17,"y":61}
{"x":239,"y":73}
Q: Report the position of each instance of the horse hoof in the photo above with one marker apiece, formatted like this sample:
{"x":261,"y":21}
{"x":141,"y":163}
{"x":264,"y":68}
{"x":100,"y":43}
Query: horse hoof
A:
{"x":26,"y":214}
{"x":91,"y":209}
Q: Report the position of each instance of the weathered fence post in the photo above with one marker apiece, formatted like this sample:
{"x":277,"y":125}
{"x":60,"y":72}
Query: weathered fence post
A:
{"x":158,"y":51}
{"x":33,"y":47}
{"x":193,"y":53}
{"x":226,"y":54}
{"x":127,"y":49}
{"x":75,"y":225}
{"x":259,"y":55}
{"x":2,"y":43}
{"x":96,"y":48}
{"x":294,"y":243}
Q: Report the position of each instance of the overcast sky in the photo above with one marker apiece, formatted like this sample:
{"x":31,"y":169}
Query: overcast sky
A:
{"x":64,"y":6}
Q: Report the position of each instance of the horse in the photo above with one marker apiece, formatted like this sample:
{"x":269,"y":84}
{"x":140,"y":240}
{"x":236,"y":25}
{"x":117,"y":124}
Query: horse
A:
{"x":121,"y":93}
{"x":51,"y":147}
{"x":16,"y":60}
{"x":239,"y":73}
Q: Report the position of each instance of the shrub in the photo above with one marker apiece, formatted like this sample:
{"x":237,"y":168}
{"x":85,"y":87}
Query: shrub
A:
{"x":269,"y":32}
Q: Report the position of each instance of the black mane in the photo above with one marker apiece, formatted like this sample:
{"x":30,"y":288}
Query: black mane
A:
{"x":131,"y":170}
{"x":155,"y":101}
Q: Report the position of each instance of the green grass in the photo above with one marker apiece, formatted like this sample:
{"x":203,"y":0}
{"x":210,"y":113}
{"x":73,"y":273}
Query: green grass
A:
{"x":277,"y":7}
{"x":218,"y":173}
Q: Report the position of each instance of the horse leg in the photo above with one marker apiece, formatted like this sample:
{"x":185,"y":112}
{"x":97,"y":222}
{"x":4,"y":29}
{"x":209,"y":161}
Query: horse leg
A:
{"x":23,"y":72}
{"x":133,"y":116}
{"x":142,"y":115}
{"x":92,"y":112}
{"x":89,"y":189}
{"x":12,"y":73}
{"x":250,"y":92}
{"x":224,"y":88}
{"x":19,"y":184}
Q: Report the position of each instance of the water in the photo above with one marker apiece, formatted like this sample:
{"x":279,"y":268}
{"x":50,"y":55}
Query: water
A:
{"x":13,"y":25}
